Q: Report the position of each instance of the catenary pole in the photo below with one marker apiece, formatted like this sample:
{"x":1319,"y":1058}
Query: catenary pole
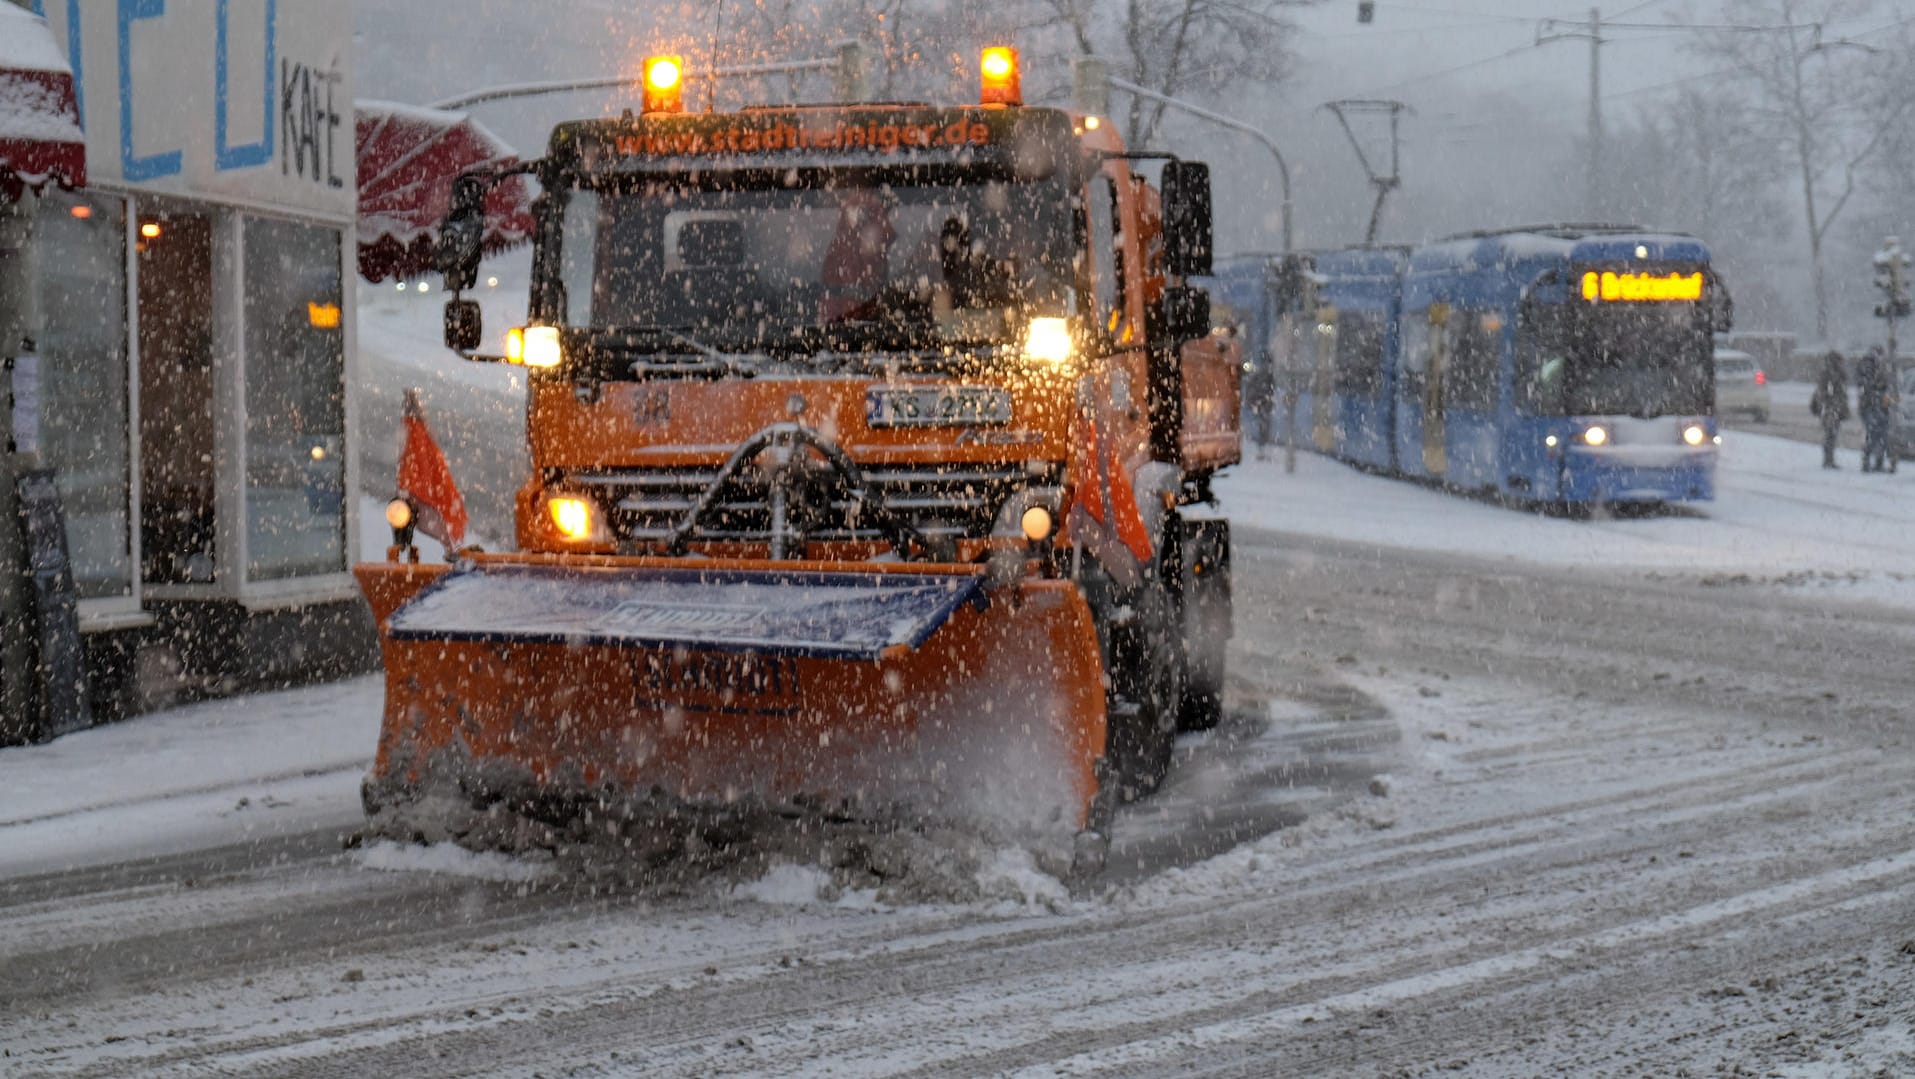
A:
{"x":1593,"y":199}
{"x":1592,"y":171}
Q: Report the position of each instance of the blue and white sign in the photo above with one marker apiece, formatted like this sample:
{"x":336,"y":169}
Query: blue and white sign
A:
{"x":251,"y":99}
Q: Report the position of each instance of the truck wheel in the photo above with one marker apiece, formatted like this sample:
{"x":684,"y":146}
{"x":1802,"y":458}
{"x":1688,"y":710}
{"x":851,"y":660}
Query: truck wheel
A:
{"x":1207,"y":617}
{"x":1147,"y":687}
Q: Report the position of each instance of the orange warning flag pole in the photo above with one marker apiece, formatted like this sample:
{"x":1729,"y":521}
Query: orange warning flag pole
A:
{"x":425,"y":480}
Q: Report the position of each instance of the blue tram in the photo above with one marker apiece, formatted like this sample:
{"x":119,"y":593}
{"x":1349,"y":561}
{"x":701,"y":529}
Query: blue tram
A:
{"x":1556,"y":364}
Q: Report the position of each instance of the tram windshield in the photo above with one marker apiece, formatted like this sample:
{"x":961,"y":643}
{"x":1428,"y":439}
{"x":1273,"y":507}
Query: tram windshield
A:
{"x":1639,"y":359}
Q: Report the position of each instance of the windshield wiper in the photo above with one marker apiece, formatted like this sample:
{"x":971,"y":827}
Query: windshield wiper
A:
{"x":716,"y":363}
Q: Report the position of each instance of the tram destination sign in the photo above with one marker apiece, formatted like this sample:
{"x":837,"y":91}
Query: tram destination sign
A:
{"x":1609,"y":286}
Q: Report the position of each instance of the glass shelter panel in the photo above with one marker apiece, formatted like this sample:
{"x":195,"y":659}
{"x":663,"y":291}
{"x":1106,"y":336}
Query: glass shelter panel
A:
{"x":295,"y":401}
{"x":72,"y":400}
{"x":178,"y":474}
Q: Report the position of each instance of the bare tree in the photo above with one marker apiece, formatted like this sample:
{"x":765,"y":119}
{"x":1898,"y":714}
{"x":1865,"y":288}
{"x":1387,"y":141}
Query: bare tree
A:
{"x":1174,"y":46}
{"x":911,"y":45}
{"x":1700,"y":164}
{"x":1818,"y":98}
{"x":1889,"y":211}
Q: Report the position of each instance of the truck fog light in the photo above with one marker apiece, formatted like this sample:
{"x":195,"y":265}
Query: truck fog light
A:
{"x":1037,"y":524}
{"x":1694,"y":434}
{"x":399,"y":513}
{"x":572,"y":516}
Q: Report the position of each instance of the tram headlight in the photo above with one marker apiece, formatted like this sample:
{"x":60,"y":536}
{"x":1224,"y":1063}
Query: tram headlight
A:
{"x":1596,"y":435}
{"x":1550,"y":441}
{"x":1694,"y":435}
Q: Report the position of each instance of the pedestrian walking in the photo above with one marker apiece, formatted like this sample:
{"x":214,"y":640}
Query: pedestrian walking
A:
{"x":1262,"y":388}
{"x":1875,"y":400}
{"x":1831,"y":403}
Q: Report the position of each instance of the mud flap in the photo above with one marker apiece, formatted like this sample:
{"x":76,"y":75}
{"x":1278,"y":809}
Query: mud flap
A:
{"x":649,"y":686}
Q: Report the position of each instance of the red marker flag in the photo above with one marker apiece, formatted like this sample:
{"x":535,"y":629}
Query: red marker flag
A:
{"x":426,"y":480}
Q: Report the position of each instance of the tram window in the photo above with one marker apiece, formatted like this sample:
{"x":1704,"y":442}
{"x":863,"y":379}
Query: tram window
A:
{"x":1475,"y":361}
{"x":1418,"y":333}
{"x":1359,"y":356}
{"x":1542,"y":361}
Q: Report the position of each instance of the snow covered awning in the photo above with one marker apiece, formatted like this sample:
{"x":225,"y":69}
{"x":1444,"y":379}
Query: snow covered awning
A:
{"x":40,"y":135}
{"x":408,"y":157}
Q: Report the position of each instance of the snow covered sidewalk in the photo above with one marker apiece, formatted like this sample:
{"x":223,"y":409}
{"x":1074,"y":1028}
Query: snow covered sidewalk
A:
{"x":194,"y":777}
{"x":1779,"y":518}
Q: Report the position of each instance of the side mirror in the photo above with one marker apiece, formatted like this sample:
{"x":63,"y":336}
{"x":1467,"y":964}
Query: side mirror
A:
{"x":1187,"y":231}
{"x":1720,"y":306}
{"x":464,"y":326}
{"x":1186,"y":313}
{"x":462,"y":234}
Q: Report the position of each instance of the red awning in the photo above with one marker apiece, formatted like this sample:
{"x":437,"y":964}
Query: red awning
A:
{"x":40,"y":136}
{"x":408,"y":157}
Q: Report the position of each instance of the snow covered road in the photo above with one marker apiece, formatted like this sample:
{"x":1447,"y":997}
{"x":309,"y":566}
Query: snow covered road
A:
{"x":1643,"y":807}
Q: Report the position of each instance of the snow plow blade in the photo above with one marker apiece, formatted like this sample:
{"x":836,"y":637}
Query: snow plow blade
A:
{"x":644,"y":687}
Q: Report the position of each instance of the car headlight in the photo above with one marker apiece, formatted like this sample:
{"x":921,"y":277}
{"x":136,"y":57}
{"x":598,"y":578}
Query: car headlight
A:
{"x":1048,"y":340}
{"x":1596,"y":435}
{"x":1694,"y":435}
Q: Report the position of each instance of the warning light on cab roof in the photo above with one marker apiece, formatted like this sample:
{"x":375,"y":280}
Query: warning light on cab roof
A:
{"x":998,"y":66}
{"x":664,"y":83}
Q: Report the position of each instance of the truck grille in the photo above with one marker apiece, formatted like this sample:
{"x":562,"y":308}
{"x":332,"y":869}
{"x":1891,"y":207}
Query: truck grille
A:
{"x":940,"y":501}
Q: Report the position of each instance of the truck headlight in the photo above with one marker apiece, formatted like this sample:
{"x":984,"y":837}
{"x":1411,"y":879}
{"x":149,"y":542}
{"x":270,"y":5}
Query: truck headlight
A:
{"x":533,"y":346}
{"x":1048,"y":340}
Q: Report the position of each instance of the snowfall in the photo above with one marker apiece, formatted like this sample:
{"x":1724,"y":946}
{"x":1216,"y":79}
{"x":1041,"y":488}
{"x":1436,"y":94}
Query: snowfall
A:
{"x":285,"y":765}
{"x":292,"y":761}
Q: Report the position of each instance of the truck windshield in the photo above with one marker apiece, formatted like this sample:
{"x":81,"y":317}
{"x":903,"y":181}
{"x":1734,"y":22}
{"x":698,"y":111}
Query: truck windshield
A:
{"x":909,"y":258}
{"x":1639,"y":359}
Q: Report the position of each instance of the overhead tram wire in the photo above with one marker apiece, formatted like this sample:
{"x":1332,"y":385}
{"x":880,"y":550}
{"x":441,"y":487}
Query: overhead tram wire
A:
{"x":1736,"y":68}
{"x":1405,"y":9}
{"x":1612,"y":26}
{"x":1413,"y":80}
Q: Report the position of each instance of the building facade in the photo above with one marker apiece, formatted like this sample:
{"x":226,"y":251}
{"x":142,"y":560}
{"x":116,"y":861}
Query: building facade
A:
{"x":195,"y":349}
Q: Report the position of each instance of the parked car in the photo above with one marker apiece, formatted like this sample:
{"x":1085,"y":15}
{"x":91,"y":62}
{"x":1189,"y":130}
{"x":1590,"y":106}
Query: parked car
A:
{"x":1741,"y":386}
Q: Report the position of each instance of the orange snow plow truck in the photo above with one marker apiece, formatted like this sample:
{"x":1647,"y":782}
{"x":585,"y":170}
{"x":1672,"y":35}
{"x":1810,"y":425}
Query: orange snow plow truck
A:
{"x":871,"y":450}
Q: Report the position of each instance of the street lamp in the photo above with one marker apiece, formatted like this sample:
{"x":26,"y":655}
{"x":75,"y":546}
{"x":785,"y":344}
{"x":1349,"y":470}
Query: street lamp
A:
{"x":1093,"y":82}
{"x":847,"y":67}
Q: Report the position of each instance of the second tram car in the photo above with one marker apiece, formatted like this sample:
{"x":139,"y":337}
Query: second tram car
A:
{"x":1558,"y":364}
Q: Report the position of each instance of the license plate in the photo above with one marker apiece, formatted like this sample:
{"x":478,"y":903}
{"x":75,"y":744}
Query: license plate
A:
{"x":937,"y":406}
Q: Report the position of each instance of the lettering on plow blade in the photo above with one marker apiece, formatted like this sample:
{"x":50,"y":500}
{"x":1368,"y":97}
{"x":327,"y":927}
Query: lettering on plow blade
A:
{"x":642,"y":616}
{"x":719,"y":682}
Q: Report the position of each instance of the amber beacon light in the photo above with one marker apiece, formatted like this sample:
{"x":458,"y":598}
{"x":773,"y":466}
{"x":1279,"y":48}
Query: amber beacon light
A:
{"x":664,"y":83}
{"x":1000,"y":82}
